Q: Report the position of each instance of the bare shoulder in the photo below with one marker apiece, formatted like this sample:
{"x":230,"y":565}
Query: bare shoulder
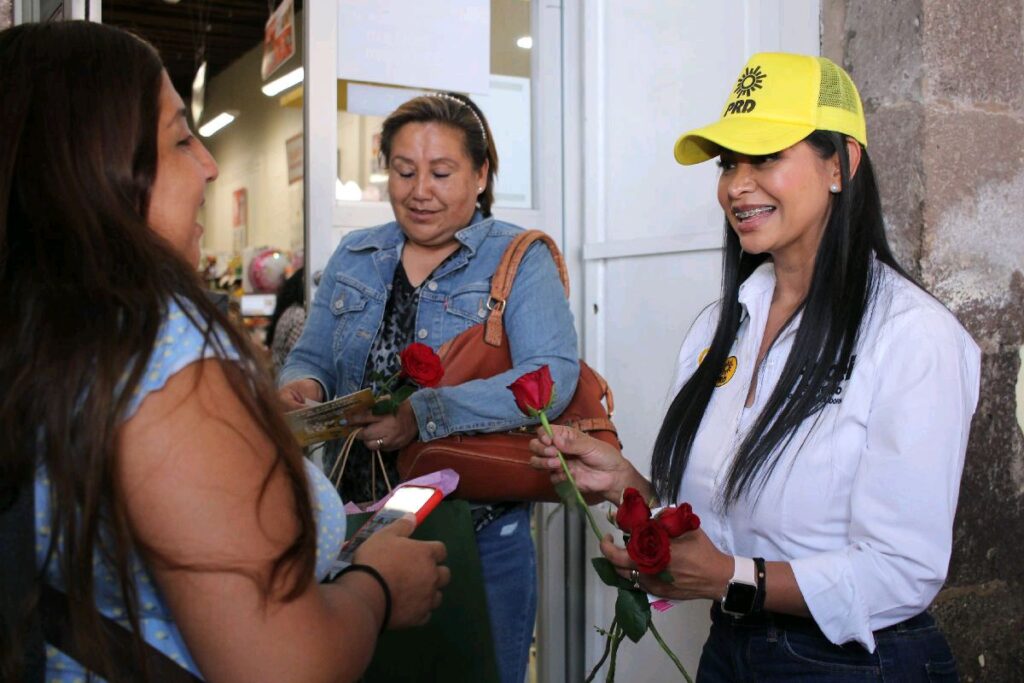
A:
{"x":193,"y":463}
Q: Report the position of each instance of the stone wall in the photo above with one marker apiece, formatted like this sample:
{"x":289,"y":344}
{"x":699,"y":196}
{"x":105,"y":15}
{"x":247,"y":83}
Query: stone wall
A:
{"x":943,"y":86}
{"x":6,"y":13}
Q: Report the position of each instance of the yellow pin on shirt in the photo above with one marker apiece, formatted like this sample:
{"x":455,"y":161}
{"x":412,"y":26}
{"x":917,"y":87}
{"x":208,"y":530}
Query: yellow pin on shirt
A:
{"x":728,"y":370}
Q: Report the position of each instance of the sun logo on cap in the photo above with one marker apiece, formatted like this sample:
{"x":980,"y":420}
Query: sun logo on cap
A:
{"x":749,"y":81}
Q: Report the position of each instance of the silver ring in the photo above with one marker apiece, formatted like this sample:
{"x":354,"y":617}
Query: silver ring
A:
{"x":380,"y":442}
{"x":634,"y":576}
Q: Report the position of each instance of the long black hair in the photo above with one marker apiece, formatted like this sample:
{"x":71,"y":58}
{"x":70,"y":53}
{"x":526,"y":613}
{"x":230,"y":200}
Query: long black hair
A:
{"x":292,"y":291}
{"x":85,"y":285}
{"x":843,"y":287}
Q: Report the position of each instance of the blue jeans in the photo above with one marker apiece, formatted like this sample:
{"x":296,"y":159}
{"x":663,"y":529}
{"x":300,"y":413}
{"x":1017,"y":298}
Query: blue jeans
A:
{"x":774,"y":648}
{"x":510,"y":581}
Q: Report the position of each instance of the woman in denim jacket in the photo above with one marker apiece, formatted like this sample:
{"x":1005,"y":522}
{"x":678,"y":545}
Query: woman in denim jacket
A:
{"x":426,"y":278}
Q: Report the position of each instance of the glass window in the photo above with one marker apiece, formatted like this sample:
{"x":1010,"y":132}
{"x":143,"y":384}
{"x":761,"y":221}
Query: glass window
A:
{"x":243,"y":108}
{"x":506,"y":104}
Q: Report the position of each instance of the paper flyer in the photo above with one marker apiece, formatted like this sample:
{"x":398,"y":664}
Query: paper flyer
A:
{"x":327,"y":421}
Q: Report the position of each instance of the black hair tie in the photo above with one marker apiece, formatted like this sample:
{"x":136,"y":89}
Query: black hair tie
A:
{"x":367,"y":569}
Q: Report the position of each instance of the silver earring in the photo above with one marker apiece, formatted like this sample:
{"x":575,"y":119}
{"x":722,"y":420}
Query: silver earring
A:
{"x":479,"y":190}
{"x":834,"y":188}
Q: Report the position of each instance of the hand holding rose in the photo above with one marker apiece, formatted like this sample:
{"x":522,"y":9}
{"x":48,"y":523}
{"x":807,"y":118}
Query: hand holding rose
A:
{"x":647,"y":535}
{"x":596,"y":466}
{"x":392,"y":423}
{"x":697,"y":568}
{"x":600,"y":467}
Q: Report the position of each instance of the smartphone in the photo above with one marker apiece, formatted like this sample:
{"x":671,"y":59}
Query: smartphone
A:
{"x":418,"y":501}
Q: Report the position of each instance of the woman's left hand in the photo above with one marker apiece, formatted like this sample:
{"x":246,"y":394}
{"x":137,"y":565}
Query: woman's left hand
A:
{"x":698,"y":568}
{"x":388,"y":432}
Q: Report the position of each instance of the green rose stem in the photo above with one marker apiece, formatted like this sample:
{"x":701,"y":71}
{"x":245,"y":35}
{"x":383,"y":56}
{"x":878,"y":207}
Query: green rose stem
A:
{"x":617,"y":635}
{"x":609,"y":635}
{"x":668,"y":651}
{"x":390,"y":380}
{"x":568,"y":475}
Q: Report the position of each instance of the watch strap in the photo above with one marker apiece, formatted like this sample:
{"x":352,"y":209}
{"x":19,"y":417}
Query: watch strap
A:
{"x":740,"y":597}
{"x":760,"y":574}
{"x":744,"y":571}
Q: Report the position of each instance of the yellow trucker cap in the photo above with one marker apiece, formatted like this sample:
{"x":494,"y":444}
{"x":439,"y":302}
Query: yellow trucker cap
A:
{"x":777,"y":101}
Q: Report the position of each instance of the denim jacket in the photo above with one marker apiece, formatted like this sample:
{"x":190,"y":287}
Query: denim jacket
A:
{"x":348,"y":309}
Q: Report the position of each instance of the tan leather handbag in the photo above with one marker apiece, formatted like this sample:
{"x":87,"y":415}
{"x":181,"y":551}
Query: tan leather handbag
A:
{"x":496,"y":467}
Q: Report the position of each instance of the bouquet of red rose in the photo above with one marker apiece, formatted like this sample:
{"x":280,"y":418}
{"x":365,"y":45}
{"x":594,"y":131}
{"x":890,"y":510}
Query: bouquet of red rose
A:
{"x":648,"y":542}
{"x":420,"y":365}
{"x":647,"y":536}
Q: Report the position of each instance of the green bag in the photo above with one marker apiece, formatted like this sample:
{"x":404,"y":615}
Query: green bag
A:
{"x":456,"y":644}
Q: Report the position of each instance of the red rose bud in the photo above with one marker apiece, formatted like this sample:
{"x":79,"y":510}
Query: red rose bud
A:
{"x":649,"y":547}
{"x":632,"y":511}
{"x":676,"y":521}
{"x":421,"y":365}
{"x":533,"y":391}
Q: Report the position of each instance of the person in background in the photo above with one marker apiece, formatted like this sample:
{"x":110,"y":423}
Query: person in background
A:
{"x":170,"y":496}
{"x":288,"y":319}
{"x":821,"y":413}
{"x":426,"y":278}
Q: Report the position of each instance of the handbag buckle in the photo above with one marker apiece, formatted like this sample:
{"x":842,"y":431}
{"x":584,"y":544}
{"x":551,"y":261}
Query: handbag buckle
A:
{"x":497,"y":305}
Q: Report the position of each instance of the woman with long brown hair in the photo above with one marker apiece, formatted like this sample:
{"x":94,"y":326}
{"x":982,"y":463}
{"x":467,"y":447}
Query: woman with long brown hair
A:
{"x":170,"y":497}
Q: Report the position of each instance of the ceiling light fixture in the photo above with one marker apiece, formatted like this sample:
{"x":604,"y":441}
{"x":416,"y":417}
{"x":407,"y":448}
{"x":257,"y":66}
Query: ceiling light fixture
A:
{"x":279,"y":85}
{"x":526,"y":42}
{"x":217,"y":122}
{"x":199,"y":92}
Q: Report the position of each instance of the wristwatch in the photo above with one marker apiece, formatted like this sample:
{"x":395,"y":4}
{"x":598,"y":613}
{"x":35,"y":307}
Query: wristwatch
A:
{"x":741,"y":593}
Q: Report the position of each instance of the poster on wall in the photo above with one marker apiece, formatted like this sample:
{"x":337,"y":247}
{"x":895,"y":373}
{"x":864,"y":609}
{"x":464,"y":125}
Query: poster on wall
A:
{"x":294,"y":155}
{"x":278,"y":38}
{"x":240,"y":218}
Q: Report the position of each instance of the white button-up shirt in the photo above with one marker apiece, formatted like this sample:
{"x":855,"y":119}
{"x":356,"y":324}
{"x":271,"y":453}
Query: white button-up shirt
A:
{"x":862,"y":500}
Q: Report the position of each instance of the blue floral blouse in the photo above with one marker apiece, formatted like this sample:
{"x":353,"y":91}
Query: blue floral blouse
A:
{"x":179,"y":343}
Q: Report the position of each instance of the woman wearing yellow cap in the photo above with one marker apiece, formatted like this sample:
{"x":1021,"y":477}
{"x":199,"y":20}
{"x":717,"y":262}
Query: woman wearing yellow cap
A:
{"x":822,"y":407}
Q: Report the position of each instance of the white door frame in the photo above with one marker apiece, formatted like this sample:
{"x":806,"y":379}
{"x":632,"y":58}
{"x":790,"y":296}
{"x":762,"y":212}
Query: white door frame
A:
{"x":767,"y":25}
{"x":326,"y":220}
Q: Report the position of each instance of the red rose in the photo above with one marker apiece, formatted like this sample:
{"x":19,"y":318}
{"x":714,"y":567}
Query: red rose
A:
{"x":676,"y":521}
{"x":533,"y":391}
{"x":632,"y":511}
{"x":649,"y":547}
{"x":421,"y":365}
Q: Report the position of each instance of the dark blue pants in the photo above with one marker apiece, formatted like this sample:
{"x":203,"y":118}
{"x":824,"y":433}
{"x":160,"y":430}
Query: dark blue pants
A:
{"x":510,"y":581}
{"x":772,"y":648}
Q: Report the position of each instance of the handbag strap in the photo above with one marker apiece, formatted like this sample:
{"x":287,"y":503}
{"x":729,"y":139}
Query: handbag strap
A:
{"x":501,"y":288}
{"x":338,"y":471}
{"x":606,"y":392}
{"x":505,"y":275}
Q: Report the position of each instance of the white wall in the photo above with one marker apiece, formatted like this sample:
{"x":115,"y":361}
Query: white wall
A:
{"x":641,"y":234}
{"x":650,"y":231}
{"x":251,"y":154}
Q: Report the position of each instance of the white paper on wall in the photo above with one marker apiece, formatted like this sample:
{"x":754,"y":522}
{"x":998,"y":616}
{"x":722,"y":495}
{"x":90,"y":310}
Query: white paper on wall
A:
{"x":507,"y":108}
{"x":431,"y":44}
{"x":377,"y":100}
